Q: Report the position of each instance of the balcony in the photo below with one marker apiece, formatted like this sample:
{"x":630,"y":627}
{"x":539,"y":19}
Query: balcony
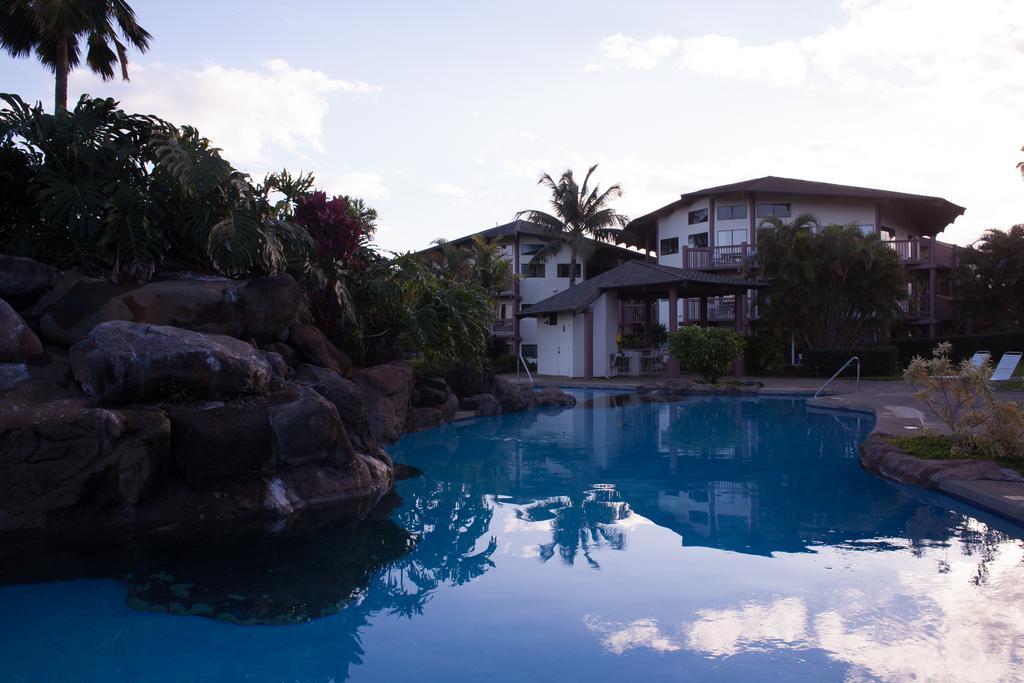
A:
{"x":923,"y":252}
{"x":502,"y":327}
{"x":916,"y":307}
{"x":717,"y":258}
{"x":720,"y":309}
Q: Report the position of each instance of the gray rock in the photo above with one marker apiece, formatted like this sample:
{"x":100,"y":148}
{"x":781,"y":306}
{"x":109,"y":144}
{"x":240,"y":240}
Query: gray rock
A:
{"x":482,"y":404}
{"x":387,"y":391}
{"x":553,"y":396}
{"x":513,"y":397}
{"x":347,"y":398}
{"x":262,"y":309}
{"x":313,"y":347}
{"x":18,"y":343}
{"x":124,"y":362}
{"x":23,"y":278}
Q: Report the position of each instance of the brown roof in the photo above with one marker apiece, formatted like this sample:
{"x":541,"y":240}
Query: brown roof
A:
{"x":930,"y":214}
{"x":643,"y":276}
{"x":522,"y":227}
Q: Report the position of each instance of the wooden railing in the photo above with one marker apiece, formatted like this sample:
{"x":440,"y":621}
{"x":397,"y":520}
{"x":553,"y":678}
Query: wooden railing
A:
{"x":632,"y":314}
{"x":915,"y":307}
{"x":908,"y":251}
{"x":502,"y":327}
{"x":720,"y":309}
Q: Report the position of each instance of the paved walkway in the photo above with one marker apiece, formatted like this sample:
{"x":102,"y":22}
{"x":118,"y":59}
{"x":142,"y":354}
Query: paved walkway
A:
{"x":892,"y":402}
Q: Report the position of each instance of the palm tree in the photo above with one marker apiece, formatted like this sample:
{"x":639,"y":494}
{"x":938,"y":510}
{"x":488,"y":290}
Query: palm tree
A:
{"x":53,"y":29}
{"x":580,"y":216}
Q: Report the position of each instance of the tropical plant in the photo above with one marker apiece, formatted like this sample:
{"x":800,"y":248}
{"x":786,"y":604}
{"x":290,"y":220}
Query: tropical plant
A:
{"x":579,"y":216}
{"x":990,"y":280}
{"x":123,"y":191}
{"x":829,"y":286}
{"x":707,"y":351}
{"x":962,"y":397}
{"x":480,"y":261}
{"x":55,"y":29}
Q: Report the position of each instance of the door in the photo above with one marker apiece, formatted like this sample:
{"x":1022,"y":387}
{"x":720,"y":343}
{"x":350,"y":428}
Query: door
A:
{"x":564,"y":351}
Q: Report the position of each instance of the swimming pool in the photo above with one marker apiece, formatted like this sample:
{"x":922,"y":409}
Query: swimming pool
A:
{"x":709,"y":539}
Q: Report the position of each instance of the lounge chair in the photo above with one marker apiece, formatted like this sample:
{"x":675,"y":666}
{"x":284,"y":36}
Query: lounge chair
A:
{"x":1007,"y":365}
{"x":980,"y":358}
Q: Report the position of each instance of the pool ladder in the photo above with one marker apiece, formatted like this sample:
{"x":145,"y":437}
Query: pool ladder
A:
{"x":525,"y":367}
{"x":853,"y":359}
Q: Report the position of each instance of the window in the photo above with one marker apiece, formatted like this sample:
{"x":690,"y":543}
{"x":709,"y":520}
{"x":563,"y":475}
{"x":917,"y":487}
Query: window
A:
{"x":698,"y":240}
{"x":502,"y":312}
{"x":551,"y":319}
{"x":563,"y":270}
{"x":528,"y":350}
{"x":867,"y":229}
{"x":670,"y":246}
{"x":698,"y":216}
{"x":887,"y":233}
{"x":732,"y":212}
{"x":532,"y":269}
{"x":530,"y":249}
{"x":731,"y":238}
{"x":780,"y":210}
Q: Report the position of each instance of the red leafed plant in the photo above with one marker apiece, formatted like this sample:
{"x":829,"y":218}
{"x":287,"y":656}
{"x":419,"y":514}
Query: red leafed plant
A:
{"x":338,"y":234}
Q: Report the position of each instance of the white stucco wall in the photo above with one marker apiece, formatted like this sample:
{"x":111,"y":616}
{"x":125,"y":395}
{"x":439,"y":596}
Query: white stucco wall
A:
{"x":606,"y":326}
{"x":556,"y":346}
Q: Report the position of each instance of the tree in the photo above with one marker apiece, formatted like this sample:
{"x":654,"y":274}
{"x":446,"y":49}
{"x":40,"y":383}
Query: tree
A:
{"x":579,"y":216}
{"x":990,"y":280}
{"x":480,"y":261}
{"x":54,"y":30}
{"x":707,"y":351}
{"x":828,"y":286}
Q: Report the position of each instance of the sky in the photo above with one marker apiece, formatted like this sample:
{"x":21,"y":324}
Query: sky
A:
{"x":444,"y":114}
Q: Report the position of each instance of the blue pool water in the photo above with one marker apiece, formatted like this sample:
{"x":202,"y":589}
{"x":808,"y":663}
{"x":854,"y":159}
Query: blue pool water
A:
{"x":700,"y":540}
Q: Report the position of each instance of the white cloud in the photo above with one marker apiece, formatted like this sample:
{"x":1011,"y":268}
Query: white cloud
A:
{"x":367,"y":185}
{"x":450,"y":190}
{"x":623,"y":51}
{"x":247,"y":113}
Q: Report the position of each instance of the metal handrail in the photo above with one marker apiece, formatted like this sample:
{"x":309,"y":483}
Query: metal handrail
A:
{"x":845,"y":365}
{"x":526,"y":367}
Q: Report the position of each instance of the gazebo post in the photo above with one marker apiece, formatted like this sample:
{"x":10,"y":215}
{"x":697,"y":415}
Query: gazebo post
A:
{"x":738,"y":365}
{"x":647,"y":322}
{"x":588,"y":343}
{"x":673,"y":325}
{"x":703,"y":311}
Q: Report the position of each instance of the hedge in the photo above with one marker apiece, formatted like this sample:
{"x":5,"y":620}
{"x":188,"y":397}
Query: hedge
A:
{"x":876,"y":361}
{"x":964,"y":346}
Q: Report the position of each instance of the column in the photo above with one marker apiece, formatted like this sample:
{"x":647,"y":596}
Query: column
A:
{"x":673,"y":325}
{"x":703,"y":311}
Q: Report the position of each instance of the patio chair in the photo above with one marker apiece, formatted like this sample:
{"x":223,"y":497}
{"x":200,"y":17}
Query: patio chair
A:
{"x":1006,"y":367}
{"x":980,"y":358}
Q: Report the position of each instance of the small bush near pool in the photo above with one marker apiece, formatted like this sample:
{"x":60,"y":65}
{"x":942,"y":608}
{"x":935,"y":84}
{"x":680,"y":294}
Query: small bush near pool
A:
{"x":707,"y":351}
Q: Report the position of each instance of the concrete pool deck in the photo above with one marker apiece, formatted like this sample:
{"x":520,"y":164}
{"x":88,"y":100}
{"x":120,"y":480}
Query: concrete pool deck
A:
{"x":897,"y":413}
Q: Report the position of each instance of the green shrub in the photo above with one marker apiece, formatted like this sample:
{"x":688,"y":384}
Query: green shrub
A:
{"x":876,"y":361}
{"x":504,"y":364}
{"x":707,"y":351}
{"x":964,"y":346}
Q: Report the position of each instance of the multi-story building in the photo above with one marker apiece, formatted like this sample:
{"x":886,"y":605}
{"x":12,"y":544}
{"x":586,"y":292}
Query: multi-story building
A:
{"x":519,"y":241}
{"x":715,"y":230}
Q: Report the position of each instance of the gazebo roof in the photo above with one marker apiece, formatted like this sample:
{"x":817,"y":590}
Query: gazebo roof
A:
{"x":641,"y":279}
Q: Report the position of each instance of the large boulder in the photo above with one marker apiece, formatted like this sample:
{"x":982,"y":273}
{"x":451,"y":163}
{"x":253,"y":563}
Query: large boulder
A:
{"x":513,"y":397}
{"x":387,"y":391}
{"x":124,"y":362}
{"x":347,"y":398}
{"x":18,"y":343}
{"x":22,"y":279}
{"x":313,"y":347}
{"x":553,"y":396}
{"x":483,"y":405}
{"x":465,"y":380}
{"x":64,"y":453}
{"x":262,"y":309}
{"x":430,"y":392}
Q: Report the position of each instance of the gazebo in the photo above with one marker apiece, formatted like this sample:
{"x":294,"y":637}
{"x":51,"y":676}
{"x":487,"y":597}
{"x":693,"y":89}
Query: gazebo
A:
{"x":577,"y":328}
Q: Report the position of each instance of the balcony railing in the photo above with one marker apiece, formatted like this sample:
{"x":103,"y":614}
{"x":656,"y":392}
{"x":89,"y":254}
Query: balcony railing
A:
{"x":502,"y":327}
{"x":632,"y":314}
{"x":720,"y":309}
{"x":717,"y":258}
{"x":916,"y":307}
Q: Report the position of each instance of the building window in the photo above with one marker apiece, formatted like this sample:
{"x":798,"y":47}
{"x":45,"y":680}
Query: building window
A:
{"x":699,"y":240}
{"x":731,"y":212}
{"x":698,"y":216}
{"x":731,"y":238}
{"x":530,"y":249}
{"x":551,"y":319}
{"x":867,"y":228}
{"x":563,"y":270}
{"x":779,"y":210}
{"x":528,"y":350}
{"x":502,"y":312}
{"x":532,"y":269}
{"x":670,"y":246}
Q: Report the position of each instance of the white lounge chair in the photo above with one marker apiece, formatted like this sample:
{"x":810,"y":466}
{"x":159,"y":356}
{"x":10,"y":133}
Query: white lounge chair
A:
{"x":1007,"y":365}
{"x":980,"y":358}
